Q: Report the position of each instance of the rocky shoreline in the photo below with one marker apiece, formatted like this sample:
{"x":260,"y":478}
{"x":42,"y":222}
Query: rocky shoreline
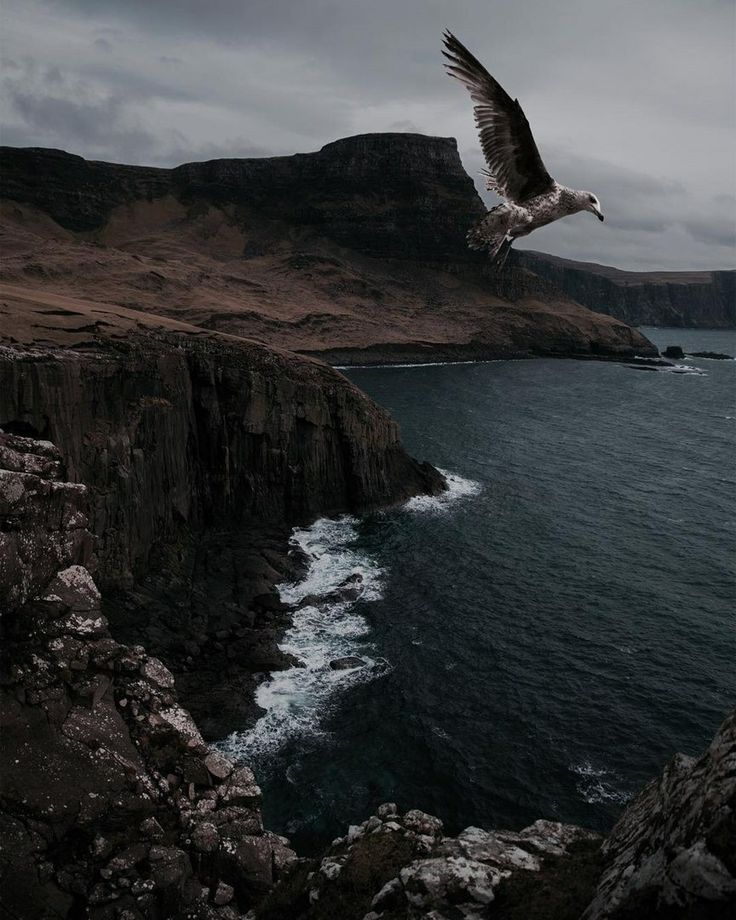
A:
{"x":113,"y":806}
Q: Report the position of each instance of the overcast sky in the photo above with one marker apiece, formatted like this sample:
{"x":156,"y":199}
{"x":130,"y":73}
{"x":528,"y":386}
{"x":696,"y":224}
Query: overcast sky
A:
{"x":631,"y":99}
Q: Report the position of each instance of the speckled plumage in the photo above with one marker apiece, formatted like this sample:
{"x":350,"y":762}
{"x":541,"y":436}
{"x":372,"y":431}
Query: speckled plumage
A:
{"x":515,"y":168}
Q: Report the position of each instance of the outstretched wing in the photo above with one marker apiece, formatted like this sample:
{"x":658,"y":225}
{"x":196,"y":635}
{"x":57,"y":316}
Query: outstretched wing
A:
{"x":515,"y":167}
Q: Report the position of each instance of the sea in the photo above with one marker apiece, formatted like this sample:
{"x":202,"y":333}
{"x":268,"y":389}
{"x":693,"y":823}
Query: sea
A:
{"x":538,"y":641}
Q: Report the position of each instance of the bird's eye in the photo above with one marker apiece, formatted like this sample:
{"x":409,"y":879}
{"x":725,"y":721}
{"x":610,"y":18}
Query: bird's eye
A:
{"x":592,"y":198}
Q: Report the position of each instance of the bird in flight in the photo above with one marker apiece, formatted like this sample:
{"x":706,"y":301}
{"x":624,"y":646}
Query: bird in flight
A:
{"x":515,"y":168}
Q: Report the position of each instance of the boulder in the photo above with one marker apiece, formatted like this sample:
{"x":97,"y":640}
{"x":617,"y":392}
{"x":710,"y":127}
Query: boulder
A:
{"x":346,"y":663}
{"x":674,"y":352}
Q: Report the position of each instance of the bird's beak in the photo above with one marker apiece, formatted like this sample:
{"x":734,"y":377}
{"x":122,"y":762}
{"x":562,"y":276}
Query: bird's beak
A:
{"x":598,"y":214}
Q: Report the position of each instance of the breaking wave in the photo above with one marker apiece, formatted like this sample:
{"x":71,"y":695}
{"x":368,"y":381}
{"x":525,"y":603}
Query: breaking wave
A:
{"x":326,"y":627}
{"x":597,"y":785}
{"x":457,"y":488}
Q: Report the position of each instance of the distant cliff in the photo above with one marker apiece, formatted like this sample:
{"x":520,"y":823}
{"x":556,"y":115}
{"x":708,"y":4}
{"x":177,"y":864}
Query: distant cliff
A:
{"x":686,"y":299}
{"x":354,"y":253}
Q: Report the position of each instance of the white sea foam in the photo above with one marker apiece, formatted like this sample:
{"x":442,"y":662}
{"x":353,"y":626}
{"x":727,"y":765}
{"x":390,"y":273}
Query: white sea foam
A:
{"x":458,"y":488}
{"x":593,"y":785}
{"x":685,"y":369}
{"x":327,"y":627}
{"x":349,"y":367}
{"x":296,"y":700}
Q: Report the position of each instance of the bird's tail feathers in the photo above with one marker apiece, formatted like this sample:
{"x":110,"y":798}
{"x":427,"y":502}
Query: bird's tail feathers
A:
{"x":478,"y":238}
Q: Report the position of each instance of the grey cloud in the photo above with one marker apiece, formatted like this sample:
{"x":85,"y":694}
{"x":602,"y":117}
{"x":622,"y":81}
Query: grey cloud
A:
{"x":628,"y":99}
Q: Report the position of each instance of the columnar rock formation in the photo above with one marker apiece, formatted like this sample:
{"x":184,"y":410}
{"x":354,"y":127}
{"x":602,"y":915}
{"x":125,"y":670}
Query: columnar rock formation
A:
{"x":173,"y":433}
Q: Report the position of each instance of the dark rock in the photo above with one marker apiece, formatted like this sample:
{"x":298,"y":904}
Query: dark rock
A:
{"x":223,"y":894}
{"x":218,"y":765}
{"x":170,"y":867}
{"x":671,"y":854}
{"x":103,"y":754}
{"x":349,"y":661}
{"x":674,"y":351}
{"x":205,"y":838}
{"x":223,"y":473}
{"x":713,"y":355}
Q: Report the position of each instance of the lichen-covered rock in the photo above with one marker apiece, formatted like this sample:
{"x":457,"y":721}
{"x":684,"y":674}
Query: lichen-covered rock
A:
{"x":673,"y":851}
{"x":401,"y":867}
{"x":43,"y":522}
{"x":110,"y":797}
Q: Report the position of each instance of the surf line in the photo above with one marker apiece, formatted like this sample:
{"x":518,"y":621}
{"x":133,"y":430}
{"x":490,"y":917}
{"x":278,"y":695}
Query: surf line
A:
{"x":329,"y":636}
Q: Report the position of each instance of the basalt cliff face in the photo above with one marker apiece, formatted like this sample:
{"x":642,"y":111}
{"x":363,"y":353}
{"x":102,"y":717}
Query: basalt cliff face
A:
{"x":199,"y":453}
{"x":685,"y":299}
{"x":169,"y":433}
{"x":355,"y":253}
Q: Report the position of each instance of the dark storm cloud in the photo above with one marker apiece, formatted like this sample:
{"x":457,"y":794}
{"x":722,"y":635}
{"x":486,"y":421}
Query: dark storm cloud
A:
{"x":631,"y":100}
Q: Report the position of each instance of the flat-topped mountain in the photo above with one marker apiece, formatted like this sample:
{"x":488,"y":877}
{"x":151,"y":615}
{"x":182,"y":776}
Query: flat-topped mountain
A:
{"x":396,"y":195}
{"x":354,"y":253}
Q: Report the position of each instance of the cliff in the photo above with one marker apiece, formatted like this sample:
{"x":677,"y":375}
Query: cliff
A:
{"x":173,"y":432}
{"x":355,"y":253}
{"x":685,"y":299}
{"x":200,"y":452}
{"x":389,"y":195}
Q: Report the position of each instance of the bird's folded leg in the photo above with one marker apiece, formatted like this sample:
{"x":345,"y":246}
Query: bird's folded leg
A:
{"x":499,"y":260}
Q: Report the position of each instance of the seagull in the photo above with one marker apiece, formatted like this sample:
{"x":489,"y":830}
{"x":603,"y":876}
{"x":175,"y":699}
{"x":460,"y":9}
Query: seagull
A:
{"x":515,"y":168}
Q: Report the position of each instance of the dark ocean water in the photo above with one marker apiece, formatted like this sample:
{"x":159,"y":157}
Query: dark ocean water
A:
{"x":543,"y":640}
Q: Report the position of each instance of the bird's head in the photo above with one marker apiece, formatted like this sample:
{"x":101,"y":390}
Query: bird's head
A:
{"x":590,"y":203}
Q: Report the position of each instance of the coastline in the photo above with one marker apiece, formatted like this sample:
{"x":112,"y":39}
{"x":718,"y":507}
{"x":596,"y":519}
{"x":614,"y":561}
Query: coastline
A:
{"x":196,"y":835}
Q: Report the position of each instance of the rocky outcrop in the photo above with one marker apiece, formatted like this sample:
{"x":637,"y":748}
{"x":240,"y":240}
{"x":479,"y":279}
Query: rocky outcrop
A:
{"x":671,"y":856}
{"x":112,"y":805}
{"x":687,"y":299}
{"x":199,"y":455}
{"x":673,"y":851}
{"x":401,"y":867}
